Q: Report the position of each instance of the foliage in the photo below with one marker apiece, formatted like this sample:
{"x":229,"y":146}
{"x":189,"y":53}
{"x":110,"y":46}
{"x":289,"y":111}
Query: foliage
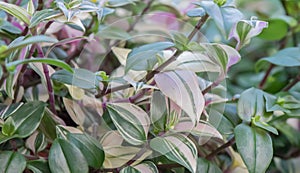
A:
{"x":149,"y":86}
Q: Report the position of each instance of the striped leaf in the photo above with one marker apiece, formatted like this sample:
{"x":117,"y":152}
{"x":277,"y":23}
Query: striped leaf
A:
{"x":146,"y":167}
{"x":177,"y":148}
{"x":43,"y":15}
{"x":12,"y":162}
{"x":66,"y":157}
{"x":89,"y":147}
{"x":244,"y":30}
{"x":131,"y":121}
{"x":182,"y":88}
{"x":16,"y":11}
{"x":28,"y":41}
{"x":12,"y":65}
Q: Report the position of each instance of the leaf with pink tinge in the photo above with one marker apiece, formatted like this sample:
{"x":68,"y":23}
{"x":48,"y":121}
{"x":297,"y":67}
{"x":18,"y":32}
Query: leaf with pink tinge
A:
{"x":244,"y":30}
{"x":202,"y":129}
{"x":182,"y":88}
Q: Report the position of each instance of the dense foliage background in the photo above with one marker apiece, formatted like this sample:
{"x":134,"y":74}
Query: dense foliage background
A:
{"x":149,"y":86}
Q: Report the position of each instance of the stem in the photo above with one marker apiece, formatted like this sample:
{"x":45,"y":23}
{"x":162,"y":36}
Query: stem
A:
{"x":214,"y":84}
{"x":221,"y":148}
{"x":151,"y":74}
{"x":81,"y":44}
{"x":198,"y":27}
{"x":174,"y":57}
{"x":131,"y":27}
{"x":135,"y":158}
{"x":264,"y":80}
{"x":293,"y":83}
{"x":40,"y":5}
{"x":49,"y":85}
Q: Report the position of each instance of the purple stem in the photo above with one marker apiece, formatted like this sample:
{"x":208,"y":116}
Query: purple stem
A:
{"x":49,"y":85}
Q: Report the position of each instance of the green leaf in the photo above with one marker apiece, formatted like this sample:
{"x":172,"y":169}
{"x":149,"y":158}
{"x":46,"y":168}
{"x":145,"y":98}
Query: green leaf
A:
{"x":177,"y":148}
{"x":12,"y":65}
{"x":255,"y":147}
{"x":40,"y":142}
{"x":118,"y":3}
{"x":276,"y":30}
{"x":81,"y":78}
{"x":256,"y":122}
{"x":205,"y":166}
{"x":29,"y":113}
{"x":89,"y":147}
{"x":46,"y":14}
{"x":251,"y":103}
{"x":9,"y":86}
{"x":48,"y":124}
{"x":164,"y":112}
{"x":8,"y":127}
{"x":110,"y":32}
{"x":29,"y":41}
{"x":38,"y":166}
{"x":16,"y":11}
{"x":288,"y":57}
{"x":183,"y":89}
{"x":12,"y":162}
{"x":66,"y":157}
{"x":144,"y":57}
{"x":131,"y":121}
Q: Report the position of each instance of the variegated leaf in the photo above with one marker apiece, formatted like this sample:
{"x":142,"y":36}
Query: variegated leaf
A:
{"x":177,"y":148}
{"x":131,"y":121}
{"x":182,"y":88}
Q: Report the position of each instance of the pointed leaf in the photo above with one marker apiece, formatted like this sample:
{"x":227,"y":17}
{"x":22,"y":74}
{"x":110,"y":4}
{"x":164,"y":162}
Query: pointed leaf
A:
{"x":55,"y":62}
{"x":182,"y":88}
{"x":131,"y":121}
{"x":66,"y":157}
{"x":244,"y":30}
{"x":255,"y":147}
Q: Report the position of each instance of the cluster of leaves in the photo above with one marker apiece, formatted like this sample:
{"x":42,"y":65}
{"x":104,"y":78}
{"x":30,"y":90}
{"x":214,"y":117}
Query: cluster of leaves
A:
{"x":92,"y":86}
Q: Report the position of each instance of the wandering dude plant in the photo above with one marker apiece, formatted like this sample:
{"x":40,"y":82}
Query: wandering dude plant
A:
{"x":152,"y":86}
